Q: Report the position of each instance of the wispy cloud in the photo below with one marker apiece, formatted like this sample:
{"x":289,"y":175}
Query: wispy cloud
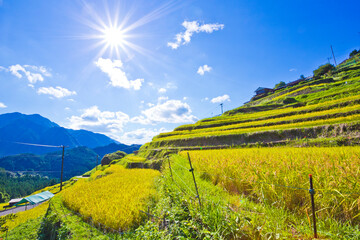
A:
{"x":19,"y":71}
{"x":43,"y":70}
{"x":191,"y":28}
{"x":203,"y":69}
{"x":117,"y":76}
{"x":292,"y":69}
{"x":105,"y":122}
{"x":2,"y":105}
{"x":140,"y":136}
{"x":166,"y":111}
{"x":57,"y":92}
{"x":162,"y":90}
{"x":221,"y":99}
{"x":32,"y":73}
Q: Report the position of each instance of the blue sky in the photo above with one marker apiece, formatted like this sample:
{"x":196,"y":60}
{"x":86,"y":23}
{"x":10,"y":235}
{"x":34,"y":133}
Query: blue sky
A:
{"x":133,"y":69}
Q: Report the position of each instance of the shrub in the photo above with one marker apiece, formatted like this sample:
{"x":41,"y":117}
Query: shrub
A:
{"x":353,"y":53}
{"x":289,"y":100}
{"x":108,"y":158}
{"x":323,"y":69}
{"x":280,"y":84}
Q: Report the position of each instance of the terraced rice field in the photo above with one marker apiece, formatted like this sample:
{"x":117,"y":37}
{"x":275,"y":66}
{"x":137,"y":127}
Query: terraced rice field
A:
{"x":326,"y":104}
{"x":280,"y":177}
{"x":114,"y":197}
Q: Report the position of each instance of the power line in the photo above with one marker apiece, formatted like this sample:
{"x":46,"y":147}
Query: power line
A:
{"x":33,"y":144}
{"x":33,"y":171}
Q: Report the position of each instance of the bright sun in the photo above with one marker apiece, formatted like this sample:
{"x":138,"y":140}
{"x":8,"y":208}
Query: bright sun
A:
{"x":114,"y":37}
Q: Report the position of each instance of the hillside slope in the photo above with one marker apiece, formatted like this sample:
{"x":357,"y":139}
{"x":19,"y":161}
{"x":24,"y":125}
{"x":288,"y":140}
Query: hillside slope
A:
{"x":325,"y":108}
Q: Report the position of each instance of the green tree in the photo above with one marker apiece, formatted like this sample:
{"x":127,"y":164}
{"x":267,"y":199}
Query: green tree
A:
{"x":323,"y":69}
{"x":4,"y":197}
{"x":280,"y":84}
{"x":353,"y":53}
{"x":302,"y":77}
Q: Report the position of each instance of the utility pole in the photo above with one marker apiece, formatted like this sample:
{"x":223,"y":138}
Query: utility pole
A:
{"x":329,"y":59}
{"x":62,"y":166}
{"x":222,"y":111}
{"x":97,"y":161}
{"x":333,"y":55}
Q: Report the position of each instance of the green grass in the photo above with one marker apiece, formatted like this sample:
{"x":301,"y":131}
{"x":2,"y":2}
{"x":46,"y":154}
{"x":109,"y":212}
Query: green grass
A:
{"x":224,"y":216}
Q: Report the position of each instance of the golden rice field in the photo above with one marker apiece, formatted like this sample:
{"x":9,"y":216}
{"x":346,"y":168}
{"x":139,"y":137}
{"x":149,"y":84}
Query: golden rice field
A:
{"x":224,"y":119}
{"x":22,"y":217}
{"x":115,"y":200}
{"x":348,"y":119}
{"x":262,"y":173}
{"x":274,"y":121}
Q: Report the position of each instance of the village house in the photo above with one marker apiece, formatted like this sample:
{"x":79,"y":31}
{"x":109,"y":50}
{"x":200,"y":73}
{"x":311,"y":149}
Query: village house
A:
{"x":262,"y":90}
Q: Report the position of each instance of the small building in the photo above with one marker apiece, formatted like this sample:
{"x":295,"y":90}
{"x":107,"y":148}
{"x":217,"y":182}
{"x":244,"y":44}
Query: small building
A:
{"x":262,"y":90}
{"x":36,"y":198}
{"x":290,"y":84}
{"x":14,"y":201}
{"x":309,"y":78}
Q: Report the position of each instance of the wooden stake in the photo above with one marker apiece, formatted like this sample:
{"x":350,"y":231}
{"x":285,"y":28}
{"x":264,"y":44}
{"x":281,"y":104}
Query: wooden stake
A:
{"x":192,"y":171}
{"x":312,"y":193}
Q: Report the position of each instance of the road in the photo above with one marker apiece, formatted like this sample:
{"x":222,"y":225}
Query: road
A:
{"x":18,"y":209}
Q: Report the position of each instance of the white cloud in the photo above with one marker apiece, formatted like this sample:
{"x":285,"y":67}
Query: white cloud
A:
{"x":162,"y":99}
{"x":40,"y":69}
{"x":171,"y":85}
{"x":150,"y":104}
{"x":57,"y":92}
{"x":140,"y":136}
{"x":105,"y":122}
{"x":67,"y":109}
{"x":14,"y":69}
{"x":117,"y":76}
{"x":2,"y":105}
{"x":33,"y":77}
{"x":203,"y":69}
{"x":221,"y":99}
{"x":292,"y":69}
{"x":162,"y":90}
{"x":185,"y":98}
{"x":191,"y":28}
{"x":170,"y":111}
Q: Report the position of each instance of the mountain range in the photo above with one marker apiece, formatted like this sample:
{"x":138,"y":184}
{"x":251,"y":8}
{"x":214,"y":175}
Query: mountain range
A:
{"x":17,"y":129}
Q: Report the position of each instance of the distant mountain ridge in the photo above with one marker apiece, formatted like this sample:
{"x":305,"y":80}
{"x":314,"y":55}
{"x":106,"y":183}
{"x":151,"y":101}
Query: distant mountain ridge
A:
{"x":17,"y":127}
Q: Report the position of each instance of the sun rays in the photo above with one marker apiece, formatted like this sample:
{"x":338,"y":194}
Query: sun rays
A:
{"x":115,"y":28}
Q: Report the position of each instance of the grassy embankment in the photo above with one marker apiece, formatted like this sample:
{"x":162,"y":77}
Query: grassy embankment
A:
{"x":312,"y":109}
